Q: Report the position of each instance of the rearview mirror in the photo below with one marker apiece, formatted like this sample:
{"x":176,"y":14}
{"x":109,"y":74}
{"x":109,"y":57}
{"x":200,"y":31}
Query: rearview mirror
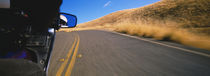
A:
{"x":68,"y":20}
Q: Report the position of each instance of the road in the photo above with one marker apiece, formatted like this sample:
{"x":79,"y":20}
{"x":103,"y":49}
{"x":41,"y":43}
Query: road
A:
{"x":101,"y":53}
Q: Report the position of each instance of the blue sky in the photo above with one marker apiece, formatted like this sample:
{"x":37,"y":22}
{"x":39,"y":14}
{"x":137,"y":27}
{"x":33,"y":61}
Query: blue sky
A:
{"x":87,"y":10}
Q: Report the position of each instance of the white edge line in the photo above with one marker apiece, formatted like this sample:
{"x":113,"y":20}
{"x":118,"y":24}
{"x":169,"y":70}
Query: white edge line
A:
{"x":186,"y":50}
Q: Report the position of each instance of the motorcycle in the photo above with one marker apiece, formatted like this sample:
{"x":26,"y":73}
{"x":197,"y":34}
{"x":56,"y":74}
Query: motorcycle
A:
{"x":34,"y":47}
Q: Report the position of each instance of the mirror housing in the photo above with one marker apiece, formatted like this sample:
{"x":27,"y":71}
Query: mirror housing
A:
{"x":67,"y":20}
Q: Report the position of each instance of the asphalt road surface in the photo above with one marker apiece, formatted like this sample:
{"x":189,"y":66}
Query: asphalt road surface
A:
{"x":101,"y":53}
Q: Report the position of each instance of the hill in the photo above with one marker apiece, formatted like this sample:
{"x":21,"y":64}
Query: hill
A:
{"x":187,"y":13}
{"x":182,"y":21}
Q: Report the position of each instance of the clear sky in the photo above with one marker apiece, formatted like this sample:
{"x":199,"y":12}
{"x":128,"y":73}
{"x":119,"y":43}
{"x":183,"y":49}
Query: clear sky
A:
{"x":87,"y":10}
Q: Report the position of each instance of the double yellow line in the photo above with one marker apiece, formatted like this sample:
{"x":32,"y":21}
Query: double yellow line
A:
{"x":73,"y":58}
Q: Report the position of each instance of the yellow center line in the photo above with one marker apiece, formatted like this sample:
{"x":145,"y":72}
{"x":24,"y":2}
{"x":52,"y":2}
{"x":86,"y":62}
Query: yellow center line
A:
{"x":60,"y":70}
{"x":71,"y":65}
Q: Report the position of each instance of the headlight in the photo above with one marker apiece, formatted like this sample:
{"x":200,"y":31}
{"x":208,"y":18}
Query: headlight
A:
{"x":51,"y":30}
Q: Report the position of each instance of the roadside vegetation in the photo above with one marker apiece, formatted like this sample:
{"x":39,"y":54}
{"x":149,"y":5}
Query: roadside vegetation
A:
{"x":182,"y":21}
{"x":178,"y":35}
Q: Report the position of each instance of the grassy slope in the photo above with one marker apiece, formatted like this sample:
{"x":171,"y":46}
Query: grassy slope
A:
{"x":188,"y":13}
{"x":182,"y":21}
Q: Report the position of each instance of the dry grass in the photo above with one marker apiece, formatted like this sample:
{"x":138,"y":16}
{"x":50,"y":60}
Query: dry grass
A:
{"x":182,"y":21}
{"x":187,"y":13}
{"x":178,"y":35}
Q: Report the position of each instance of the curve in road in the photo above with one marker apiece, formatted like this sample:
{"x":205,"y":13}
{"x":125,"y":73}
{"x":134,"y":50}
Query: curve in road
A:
{"x":111,"y":54}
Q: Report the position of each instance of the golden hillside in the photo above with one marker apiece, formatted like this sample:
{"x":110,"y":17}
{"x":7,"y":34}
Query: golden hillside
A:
{"x":182,"y":21}
{"x":186,"y":13}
